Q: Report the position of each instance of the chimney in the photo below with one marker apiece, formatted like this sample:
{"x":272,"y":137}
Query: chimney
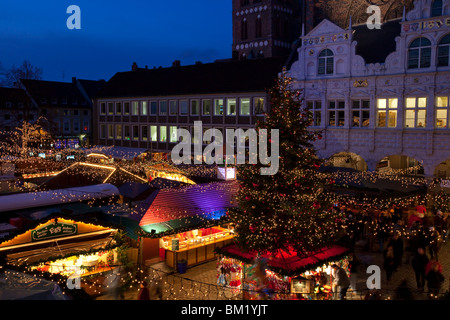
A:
{"x":176,"y":63}
{"x":134,"y":67}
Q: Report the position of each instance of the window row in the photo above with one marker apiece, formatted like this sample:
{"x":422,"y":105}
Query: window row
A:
{"x":419,"y":56}
{"x":153,"y":133}
{"x":198,"y":107}
{"x":415,"y":113}
{"x":75,"y":126}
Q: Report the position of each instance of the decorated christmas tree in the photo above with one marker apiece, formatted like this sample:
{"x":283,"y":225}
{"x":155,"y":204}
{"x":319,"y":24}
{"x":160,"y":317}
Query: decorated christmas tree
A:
{"x":288,"y":211}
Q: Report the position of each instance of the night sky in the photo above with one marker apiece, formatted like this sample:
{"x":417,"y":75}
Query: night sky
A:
{"x":113,"y":35}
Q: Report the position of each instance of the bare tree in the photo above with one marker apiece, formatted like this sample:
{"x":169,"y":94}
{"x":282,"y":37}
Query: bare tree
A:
{"x":12,"y":76}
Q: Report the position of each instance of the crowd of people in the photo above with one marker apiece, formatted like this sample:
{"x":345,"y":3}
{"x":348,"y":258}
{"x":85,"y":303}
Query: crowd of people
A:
{"x":398,"y":232}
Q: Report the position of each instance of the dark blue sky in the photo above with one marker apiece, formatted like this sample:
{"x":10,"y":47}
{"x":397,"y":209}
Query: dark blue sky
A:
{"x":113,"y":35}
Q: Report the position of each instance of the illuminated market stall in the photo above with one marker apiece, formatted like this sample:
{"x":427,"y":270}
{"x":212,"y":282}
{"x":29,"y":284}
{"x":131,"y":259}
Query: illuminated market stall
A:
{"x":187,"y":224}
{"x":287,"y":276}
{"x":61,"y":245}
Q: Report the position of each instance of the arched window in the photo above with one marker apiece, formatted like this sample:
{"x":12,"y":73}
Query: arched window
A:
{"x":326,"y":62}
{"x":419,"y":54}
{"x":244,"y":29}
{"x":258,"y":27}
{"x":436,"y":8}
{"x":443,"y":52}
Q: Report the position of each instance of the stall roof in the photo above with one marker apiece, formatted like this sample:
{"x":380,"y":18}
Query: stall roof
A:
{"x":116,"y":152}
{"x":184,"y":207}
{"x":287,"y":263}
{"x":20,"y":201}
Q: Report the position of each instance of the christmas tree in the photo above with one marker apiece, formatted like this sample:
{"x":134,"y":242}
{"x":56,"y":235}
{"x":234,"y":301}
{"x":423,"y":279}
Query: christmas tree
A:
{"x":288,"y":211}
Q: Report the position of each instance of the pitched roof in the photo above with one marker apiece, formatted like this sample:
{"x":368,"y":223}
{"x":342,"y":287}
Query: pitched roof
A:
{"x":218,"y":77}
{"x":13,"y":95}
{"x":40,"y":89}
{"x":375,"y":45}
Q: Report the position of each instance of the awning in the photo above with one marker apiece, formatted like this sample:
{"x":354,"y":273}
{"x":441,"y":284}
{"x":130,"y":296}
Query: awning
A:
{"x":288,"y":263}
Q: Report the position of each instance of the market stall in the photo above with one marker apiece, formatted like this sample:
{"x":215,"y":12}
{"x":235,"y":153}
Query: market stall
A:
{"x":63,"y":246}
{"x":190,"y":222}
{"x":283,"y":276}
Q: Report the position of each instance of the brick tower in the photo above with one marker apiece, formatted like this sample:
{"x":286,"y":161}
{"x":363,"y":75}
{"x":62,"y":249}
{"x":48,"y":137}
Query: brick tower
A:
{"x":265,"y":28}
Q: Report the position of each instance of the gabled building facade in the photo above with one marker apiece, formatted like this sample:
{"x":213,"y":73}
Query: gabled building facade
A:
{"x":382,"y":96}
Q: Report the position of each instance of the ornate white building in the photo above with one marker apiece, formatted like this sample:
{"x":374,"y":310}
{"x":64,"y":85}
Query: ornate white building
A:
{"x":382,"y":96}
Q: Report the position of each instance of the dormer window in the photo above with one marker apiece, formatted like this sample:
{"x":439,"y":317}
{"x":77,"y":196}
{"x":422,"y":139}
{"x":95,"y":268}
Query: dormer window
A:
{"x":64,"y":101}
{"x":326,"y":62}
{"x":436,"y":8}
{"x":54,"y":101}
{"x":74,"y":102}
{"x":419,"y":54}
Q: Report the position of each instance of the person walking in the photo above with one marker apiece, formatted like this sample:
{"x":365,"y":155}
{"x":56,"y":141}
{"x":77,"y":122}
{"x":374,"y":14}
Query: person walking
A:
{"x":434,"y":280}
{"x":389,"y":262}
{"x":397,"y":245}
{"x":341,"y":281}
{"x":419,"y":262}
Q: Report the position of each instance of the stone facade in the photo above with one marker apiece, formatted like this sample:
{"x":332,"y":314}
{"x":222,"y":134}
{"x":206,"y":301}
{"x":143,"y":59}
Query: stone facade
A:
{"x":391,"y":107}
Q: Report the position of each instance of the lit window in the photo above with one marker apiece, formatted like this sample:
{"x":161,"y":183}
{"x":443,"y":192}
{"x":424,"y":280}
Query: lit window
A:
{"x":173,"y":134}
{"x":415,"y":112}
{"x":110,"y":131}
{"x":245,"y":106}
{"x":387,"y":110}
{"x":163,"y":133}
{"x":442,"y":112}
{"x":231,"y":107}
{"x":118,"y":131}
{"x":218,"y":107}
{"x":154,"y":133}
{"x":135,"y":109}
{"x":144,"y":108}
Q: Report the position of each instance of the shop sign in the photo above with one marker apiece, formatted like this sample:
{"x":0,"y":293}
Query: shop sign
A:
{"x":54,"y":230}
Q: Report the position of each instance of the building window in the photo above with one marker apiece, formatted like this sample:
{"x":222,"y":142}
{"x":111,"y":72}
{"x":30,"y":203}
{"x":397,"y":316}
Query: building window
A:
{"x":245,"y":106}
{"x":135,"y":133}
{"x":231,"y":107}
{"x":183,"y":107}
{"x":103,"y":131}
{"x":126,"y":132}
{"x":195,"y":107}
{"x":144,"y":133}
{"x":443,"y":51}
{"x":442,"y":112}
{"x":144,"y":108}
{"x":244,"y":29}
{"x":76,"y":126}
{"x":415,"y":112}
{"x":118,"y":108}
{"x":126,"y":108}
{"x":64,"y":101}
{"x":118,"y":131}
{"x":387,"y":110}
{"x":66,"y":126}
{"x":76,"y":112}
{"x":218,"y":107}
{"x":86,"y":126}
{"x":436,"y":8}
{"x":419,"y":54}
{"x":110,"y":108}
{"x":163,"y":133}
{"x":163,"y":108}
{"x":173,"y":107}
{"x":66,"y":112}
{"x":173,"y":134}
{"x":336,"y":113}
{"x":154,"y":133}
{"x":102,"y":108}
{"x":135,"y":109}
{"x":316,"y":109}
{"x":360,"y":113}
{"x":206,"y":107}
{"x":326,"y":62}
{"x":110,"y":131}
{"x":259,"y":105}
{"x":153,"y":108}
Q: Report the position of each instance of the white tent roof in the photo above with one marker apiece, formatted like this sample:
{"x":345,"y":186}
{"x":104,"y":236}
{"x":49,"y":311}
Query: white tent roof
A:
{"x":123,"y":153}
{"x":54,"y":197}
